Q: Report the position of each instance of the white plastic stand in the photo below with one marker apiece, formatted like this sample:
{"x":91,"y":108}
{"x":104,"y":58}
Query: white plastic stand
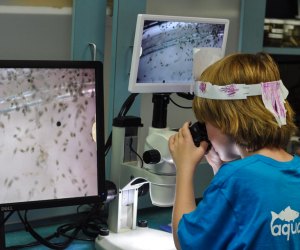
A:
{"x":138,"y":239}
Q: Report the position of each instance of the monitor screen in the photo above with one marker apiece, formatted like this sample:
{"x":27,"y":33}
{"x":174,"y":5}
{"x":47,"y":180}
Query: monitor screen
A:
{"x":164,"y":48}
{"x":48,"y":153}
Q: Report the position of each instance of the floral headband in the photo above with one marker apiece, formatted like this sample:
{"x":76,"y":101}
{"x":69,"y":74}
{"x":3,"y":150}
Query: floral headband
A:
{"x":273,"y":95}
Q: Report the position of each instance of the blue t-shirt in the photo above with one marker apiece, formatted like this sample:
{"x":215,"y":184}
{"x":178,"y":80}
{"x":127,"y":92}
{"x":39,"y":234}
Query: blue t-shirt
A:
{"x":251,"y":203}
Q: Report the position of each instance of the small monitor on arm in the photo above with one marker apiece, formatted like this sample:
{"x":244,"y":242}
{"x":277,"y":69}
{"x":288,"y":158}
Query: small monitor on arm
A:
{"x":165,"y":48}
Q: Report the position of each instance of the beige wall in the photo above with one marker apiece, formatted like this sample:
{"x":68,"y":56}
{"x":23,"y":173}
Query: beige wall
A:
{"x":45,"y":3}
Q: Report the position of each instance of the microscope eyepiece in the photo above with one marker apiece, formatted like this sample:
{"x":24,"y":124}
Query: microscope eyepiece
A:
{"x":151,"y":156}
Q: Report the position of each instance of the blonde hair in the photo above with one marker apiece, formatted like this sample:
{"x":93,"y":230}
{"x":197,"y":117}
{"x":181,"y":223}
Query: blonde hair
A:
{"x":247,"y":121}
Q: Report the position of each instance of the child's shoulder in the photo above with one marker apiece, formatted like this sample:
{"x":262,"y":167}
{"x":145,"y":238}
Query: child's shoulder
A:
{"x":254,"y":165}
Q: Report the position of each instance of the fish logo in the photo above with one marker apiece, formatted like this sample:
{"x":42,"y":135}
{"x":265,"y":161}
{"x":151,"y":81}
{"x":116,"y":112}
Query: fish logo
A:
{"x":288,"y":216}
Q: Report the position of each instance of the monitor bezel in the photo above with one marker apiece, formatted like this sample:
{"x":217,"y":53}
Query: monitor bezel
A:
{"x":146,"y":87}
{"x":99,"y":97}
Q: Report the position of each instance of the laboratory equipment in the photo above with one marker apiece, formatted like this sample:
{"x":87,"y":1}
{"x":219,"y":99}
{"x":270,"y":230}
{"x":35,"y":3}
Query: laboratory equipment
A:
{"x":163,"y":61}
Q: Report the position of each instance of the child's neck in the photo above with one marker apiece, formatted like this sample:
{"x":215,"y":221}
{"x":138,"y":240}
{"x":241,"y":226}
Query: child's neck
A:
{"x":277,"y":154}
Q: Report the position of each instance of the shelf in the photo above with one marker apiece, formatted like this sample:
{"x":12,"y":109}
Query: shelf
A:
{"x":282,"y":51}
{"x":251,"y":35}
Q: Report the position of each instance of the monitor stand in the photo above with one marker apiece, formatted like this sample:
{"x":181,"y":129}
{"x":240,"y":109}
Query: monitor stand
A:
{"x":2,"y":231}
{"x":142,"y":238}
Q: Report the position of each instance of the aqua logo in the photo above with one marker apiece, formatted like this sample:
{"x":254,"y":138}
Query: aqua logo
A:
{"x":285,"y":223}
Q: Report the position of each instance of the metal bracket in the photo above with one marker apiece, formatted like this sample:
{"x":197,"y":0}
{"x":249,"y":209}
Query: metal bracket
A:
{"x":93,"y":51}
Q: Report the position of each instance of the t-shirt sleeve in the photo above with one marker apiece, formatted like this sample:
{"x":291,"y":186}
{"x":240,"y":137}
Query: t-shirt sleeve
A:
{"x":212,"y":225}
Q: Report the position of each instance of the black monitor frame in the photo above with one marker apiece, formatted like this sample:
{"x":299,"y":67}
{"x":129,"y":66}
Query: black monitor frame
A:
{"x":99,"y":133}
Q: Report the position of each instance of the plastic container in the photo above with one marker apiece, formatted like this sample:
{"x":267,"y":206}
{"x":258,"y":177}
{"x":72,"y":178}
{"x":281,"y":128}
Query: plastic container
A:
{"x":276,"y":25}
{"x":275,"y":40}
{"x":273,"y":32}
{"x":291,"y":34}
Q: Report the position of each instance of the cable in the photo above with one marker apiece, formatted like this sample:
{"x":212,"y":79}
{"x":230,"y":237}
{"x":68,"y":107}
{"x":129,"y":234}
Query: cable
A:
{"x":6,"y":218}
{"x":32,"y":244}
{"x":89,"y":224}
{"x":123,"y":111}
{"x":45,"y":242}
{"x":178,"y":104}
{"x":187,"y":96}
{"x":136,"y":153}
{"x":127,"y":104}
{"x":108,"y":144}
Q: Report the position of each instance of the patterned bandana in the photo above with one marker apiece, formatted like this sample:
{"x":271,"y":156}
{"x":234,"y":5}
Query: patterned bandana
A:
{"x":273,"y":95}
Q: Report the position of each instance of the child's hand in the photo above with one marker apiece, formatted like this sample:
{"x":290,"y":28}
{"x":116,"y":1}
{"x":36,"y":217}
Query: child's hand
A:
{"x":185,"y":154}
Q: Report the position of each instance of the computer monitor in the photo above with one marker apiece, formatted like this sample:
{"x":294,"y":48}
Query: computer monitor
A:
{"x":164,"y":49}
{"x":47,"y":152}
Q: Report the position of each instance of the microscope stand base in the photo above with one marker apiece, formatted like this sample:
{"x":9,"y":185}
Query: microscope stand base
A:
{"x":137,"y":239}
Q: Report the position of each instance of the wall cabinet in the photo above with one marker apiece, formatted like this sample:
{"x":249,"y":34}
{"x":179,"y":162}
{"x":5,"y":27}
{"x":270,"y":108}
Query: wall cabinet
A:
{"x":252,"y":32}
{"x":251,"y":41}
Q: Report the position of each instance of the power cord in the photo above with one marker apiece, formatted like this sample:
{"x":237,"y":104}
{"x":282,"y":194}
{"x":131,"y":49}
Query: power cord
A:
{"x":136,"y":153}
{"x":178,"y":105}
{"x":89,"y":225}
{"x":123,"y":111}
{"x":2,"y":223}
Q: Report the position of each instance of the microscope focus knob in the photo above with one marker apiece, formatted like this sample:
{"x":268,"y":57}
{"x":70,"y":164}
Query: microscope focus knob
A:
{"x":151,"y":156}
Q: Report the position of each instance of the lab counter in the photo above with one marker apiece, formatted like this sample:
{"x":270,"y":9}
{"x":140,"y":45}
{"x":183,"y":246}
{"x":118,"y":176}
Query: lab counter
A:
{"x":157,"y":218}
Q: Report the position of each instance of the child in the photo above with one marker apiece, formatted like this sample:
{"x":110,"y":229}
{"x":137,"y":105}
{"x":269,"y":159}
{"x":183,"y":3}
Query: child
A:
{"x":253,"y":201}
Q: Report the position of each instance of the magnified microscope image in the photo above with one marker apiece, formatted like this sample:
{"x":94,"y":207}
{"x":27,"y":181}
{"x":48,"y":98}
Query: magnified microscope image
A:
{"x":167,"y":49}
{"x":46,"y":145}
